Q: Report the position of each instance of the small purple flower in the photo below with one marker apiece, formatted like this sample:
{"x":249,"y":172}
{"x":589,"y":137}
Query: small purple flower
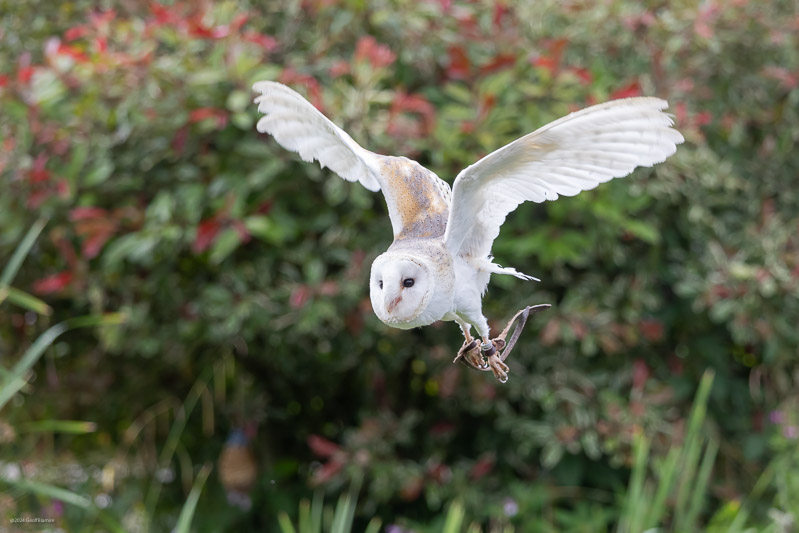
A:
{"x":775,"y":417}
{"x":57,"y":508}
{"x":790,"y":432}
{"x":510,"y":507}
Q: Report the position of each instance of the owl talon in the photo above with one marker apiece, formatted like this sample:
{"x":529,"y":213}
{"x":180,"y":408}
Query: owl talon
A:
{"x":499,"y":368}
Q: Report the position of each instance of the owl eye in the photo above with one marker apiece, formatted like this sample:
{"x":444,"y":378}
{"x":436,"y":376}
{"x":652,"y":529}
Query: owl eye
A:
{"x":380,"y":283}
{"x":407,"y":282}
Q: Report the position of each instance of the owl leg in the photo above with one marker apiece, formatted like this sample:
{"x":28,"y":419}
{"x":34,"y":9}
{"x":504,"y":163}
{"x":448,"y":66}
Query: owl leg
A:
{"x":490,"y":351}
{"x":465,"y":327}
{"x":468,"y":350}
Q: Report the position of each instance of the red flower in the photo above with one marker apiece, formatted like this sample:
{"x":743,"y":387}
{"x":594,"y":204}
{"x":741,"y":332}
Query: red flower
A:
{"x":52,"y":283}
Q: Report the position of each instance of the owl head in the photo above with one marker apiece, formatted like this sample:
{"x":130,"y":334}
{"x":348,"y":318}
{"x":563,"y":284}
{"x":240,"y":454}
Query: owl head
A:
{"x":400,"y":287}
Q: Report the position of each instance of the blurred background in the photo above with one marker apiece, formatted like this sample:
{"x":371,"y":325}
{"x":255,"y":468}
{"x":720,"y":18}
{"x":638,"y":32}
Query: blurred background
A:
{"x":186,"y":339}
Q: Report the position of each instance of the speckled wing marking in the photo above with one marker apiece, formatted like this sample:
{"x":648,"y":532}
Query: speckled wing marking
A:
{"x":418,"y":200}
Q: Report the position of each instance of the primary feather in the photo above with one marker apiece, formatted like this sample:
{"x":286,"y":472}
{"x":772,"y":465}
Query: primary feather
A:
{"x":298,"y":126}
{"x":565,"y":157}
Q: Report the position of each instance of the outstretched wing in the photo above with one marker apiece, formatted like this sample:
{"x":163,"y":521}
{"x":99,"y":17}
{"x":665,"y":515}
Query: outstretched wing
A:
{"x":418,"y":201}
{"x":298,"y":126}
{"x":569,"y":155}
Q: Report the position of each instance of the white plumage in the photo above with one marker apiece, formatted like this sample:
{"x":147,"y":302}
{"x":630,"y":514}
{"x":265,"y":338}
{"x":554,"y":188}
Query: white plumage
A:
{"x":442,"y":239}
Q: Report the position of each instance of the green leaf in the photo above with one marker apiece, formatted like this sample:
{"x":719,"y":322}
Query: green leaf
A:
{"x":225,"y":243}
{"x":101,"y":172}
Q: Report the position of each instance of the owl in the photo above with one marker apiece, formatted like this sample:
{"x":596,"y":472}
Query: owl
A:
{"x":439,"y":264}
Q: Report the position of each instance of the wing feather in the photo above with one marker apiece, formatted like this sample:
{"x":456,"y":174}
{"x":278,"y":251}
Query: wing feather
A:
{"x":298,"y":126}
{"x":418,"y":201}
{"x":572,"y":154}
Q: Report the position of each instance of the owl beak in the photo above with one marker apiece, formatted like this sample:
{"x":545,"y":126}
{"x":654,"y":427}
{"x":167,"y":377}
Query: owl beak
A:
{"x":393,"y":304}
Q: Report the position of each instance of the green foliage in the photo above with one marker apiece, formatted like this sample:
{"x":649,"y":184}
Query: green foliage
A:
{"x":242,"y":272}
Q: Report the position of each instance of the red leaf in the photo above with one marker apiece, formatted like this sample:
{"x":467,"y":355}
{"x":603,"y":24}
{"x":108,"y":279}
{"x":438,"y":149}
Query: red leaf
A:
{"x":52,"y":283}
{"x":100,"y":45}
{"x":499,"y":62}
{"x":299,"y":296}
{"x":206,"y":233}
{"x":651,"y":329}
{"x":75,"y":32}
{"x":39,"y":173}
{"x":326,"y":472}
{"x":322,"y":447}
{"x":378,"y":55}
{"x":630,"y":90}
{"x":640,"y":374}
{"x":203,"y":113}
{"x":101,"y":19}
{"x":73,"y":52}
{"x":483,"y":466}
{"x":239,"y":21}
{"x":547,"y":63}
{"x":339,"y":68}
{"x":702,"y":118}
{"x":82,"y":213}
{"x":260,"y":39}
{"x":584,"y":75}
{"x":24,"y":74}
{"x":241,"y":229}
{"x":289,"y":76}
{"x":92,"y":245}
{"x":459,"y":64}
{"x":783,"y":75}
{"x":3,"y":81}
{"x":415,"y":103}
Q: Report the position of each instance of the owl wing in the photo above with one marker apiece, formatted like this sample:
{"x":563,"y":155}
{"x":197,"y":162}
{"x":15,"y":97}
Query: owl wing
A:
{"x":418,"y":201}
{"x":575,"y":153}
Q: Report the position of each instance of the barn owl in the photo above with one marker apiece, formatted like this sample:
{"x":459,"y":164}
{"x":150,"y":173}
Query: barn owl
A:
{"x":439,"y":264}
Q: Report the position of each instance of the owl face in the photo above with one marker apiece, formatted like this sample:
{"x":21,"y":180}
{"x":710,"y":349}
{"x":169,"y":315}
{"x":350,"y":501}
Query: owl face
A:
{"x":400,"y":287}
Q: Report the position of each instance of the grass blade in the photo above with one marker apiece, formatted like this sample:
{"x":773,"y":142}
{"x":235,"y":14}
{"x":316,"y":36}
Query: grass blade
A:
{"x":702,"y":479}
{"x":75,"y":427}
{"x":454,"y":519}
{"x":71,"y":498}
{"x":187,"y":513}
{"x":317,"y":506}
{"x":373,"y":526}
{"x":14,"y":381}
{"x":285,"y":523}
{"x":24,"y":300}
{"x":12,"y":267}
